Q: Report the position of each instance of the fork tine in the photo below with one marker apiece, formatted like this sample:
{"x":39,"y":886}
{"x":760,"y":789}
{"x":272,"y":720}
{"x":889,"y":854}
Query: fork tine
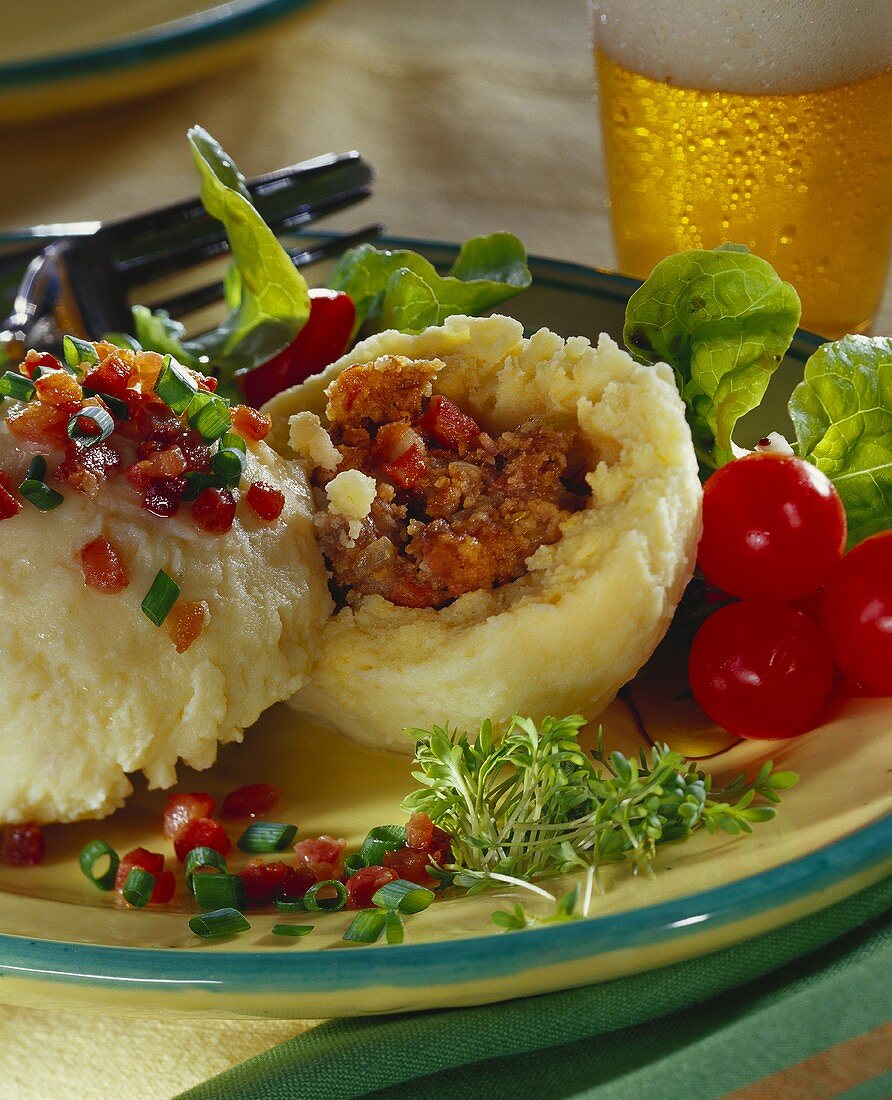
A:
{"x":215,"y":244}
{"x":179,"y":305}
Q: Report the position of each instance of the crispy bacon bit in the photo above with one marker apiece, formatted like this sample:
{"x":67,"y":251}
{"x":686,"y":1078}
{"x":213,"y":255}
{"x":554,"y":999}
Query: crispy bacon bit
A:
{"x":366,"y":881}
{"x":9,"y":506}
{"x":250,"y":423}
{"x":201,"y":833}
{"x":153,"y":862}
{"x":164,"y":889}
{"x":167,"y":463}
{"x":411,"y":864}
{"x":86,"y":469}
{"x":252,"y":800}
{"x":40,"y":424}
{"x":21,"y":845}
{"x":322,"y":855}
{"x":265,"y":881}
{"x":113,"y":375}
{"x":213,"y":510}
{"x":35,"y":359}
{"x":163,"y":495}
{"x":409,"y":470}
{"x":419,"y":831}
{"x":207,"y":382}
{"x":185,"y":622}
{"x":183,"y":808}
{"x":446,"y":423}
{"x":60,"y":389}
{"x":102,"y":566}
{"x":266,"y":500}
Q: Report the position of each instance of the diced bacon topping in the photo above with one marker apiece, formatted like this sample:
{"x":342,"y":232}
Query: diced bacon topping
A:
{"x":163,"y":495}
{"x":446,"y":423}
{"x":265,"y":500}
{"x":9,"y":506}
{"x":103,"y":567}
{"x":164,"y":889}
{"x":322,"y":855}
{"x":362,"y":885}
{"x":167,"y":463}
{"x":185,"y":622}
{"x":214,"y":510}
{"x":21,"y":845}
{"x":182,"y":809}
{"x":59,"y":389}
{"x":252,"y":800}
{"x":201,"y":833}
{"x":113,"y":375}
{"x":411,"y":864}
{"x":86,"y":469}
{"x":419,"y":831}
{"x":40,"y":424}
{"x":35,"y":359}
{"x":250,"y":423}
{"x":409,"y":470}
{"x":153,"y":862}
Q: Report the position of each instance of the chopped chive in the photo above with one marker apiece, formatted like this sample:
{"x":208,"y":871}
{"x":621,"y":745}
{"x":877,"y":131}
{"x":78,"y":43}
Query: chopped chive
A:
{"x":233,"y":439}
{"x":396,"y":932}
{"x":202,"y":857}
{"x":222,"y":922}
{"x":35,"y":490}
{"x":16,"y":386}
{"x":314,"y":904}
{"x":292,"y":929}
{"x":78,"y":352}
{"x":100,"y":417}
{"x":116,"y":406}
{"x":354,"y":863}
{"x":122,"y":340}
{"x":367,"y":926}
{"x":209,"y":415}
{"x":289,"y":905}
{"x":160,"y":598}
{"x":175,"y":385}
{"x":138,"y":887}
{"x":196,"y":482}
{"x":407,"y":897}
{"x":267,"y":836}
{"x":228,"y":463}
{"x":219,"y":891}
{"x":96,"y":855}
{"x":380,"y":840}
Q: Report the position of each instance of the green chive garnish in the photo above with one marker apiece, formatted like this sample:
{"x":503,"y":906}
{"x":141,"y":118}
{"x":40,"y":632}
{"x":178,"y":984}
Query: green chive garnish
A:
{"x":122,"y":340}
{"x":267,"y":836}
{"x":96,"y":855}
{"x":407,"y":897}
{"x":228,"y":463}
{"x":78,"y":352}
{"x":116,"y":406}
{"x":35,"y":490}
{"x":233,"y":439}
{"x":202,"y":857}
{"x":314,"y":904}
{"x":396,"y":933}
{"x":354,"y":863}
{"x":222,"y":922}
{"x":292,"y":929}
{"x":16,"y":386}
{"x":219,"y":891}
{"x":100,"y":417}
{"x":175,"y":385}
{"x":380,"y":840}
{"x":138,"y":887}
{"x":160,"y":598}
{"x":196,"y":482}
{"x":209,"y":415}
{"x":289,"y":905}
{"x":367,"y":926}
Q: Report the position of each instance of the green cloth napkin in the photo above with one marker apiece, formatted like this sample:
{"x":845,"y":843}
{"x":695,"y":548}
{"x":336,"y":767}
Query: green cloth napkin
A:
{"x":694,"y":1030}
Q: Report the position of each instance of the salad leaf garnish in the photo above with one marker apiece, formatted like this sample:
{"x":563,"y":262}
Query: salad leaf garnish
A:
{"x":533,"y":802}
{"x":400,"y":289}
{"x":723,"y":320}
{"x":268,"y":297}
{"x":842,"y":413}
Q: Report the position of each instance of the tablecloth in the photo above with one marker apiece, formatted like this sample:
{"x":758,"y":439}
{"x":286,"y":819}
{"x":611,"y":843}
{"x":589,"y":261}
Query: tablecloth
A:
{"x":476,"y":117}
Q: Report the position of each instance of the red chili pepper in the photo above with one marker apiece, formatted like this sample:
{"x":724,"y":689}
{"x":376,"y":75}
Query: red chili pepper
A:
{"x":321,"y":341}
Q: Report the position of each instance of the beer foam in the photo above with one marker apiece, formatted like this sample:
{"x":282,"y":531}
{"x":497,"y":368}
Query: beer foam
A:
{"x":733,"y":46}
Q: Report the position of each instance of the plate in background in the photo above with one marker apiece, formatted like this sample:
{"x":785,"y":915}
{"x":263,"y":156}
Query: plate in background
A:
{"x":53,"y":60}
{"x":61,"y":941}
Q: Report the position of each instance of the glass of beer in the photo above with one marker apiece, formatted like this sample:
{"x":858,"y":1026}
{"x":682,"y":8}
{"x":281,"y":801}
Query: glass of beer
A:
{"x":763,"y":124}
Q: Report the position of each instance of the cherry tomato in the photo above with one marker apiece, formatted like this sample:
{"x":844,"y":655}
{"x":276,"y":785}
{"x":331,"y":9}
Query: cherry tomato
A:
{"x":323,"y":339}
{"x":773,"y":528}
{"x":856,"y":613}
{"x":760,"y":669}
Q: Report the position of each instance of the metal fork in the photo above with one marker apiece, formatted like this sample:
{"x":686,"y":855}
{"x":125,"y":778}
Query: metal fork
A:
{"x":82,"y":283}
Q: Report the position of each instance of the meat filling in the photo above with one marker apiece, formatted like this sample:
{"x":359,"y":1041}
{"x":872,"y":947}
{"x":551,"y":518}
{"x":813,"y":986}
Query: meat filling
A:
{"x":456,"y":509}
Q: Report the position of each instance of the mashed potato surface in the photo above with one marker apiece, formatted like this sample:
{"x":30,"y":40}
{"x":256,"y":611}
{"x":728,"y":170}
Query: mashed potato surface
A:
{"x":94,"y":690}
{"x":591,"y":607}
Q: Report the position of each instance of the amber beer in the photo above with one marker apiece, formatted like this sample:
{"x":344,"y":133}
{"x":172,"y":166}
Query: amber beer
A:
{"x":767,"y":125}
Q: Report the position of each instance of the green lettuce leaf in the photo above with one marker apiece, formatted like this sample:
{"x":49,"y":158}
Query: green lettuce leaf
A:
{"x":723,"y":320}
{"x":268,"y":297}
{"x":842,"y":413}
{"x":401,"y":289}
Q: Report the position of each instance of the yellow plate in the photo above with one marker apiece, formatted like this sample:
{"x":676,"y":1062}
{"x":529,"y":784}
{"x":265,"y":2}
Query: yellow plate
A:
{"x":61,"y":940}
